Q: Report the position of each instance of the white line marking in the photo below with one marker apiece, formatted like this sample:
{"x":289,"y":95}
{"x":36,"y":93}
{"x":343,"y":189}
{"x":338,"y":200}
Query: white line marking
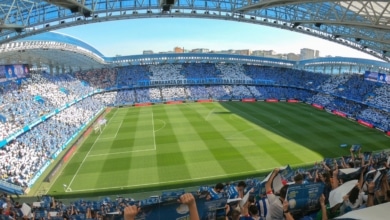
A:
{"x":162,"y":126}
{"x":107,"y":138}
{"x":122,"y":152}
{"x":154,"y":132}
{"x":208,"y":116}
{"x":119,"y":127}
{"x":241,"y":132}
{"x":86,"y":156}
{"x":185,"y":180}
{"x":262,"y":122}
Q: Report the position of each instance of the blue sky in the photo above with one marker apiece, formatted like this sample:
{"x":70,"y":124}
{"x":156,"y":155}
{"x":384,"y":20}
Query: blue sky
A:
{"x":130,"y":37}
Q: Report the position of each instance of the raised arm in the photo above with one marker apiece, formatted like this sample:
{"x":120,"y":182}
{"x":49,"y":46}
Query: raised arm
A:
{"x":335,"y":180}
{"x":371,"y":194}
{"x":189,"y":200}
{"x":130,"y":212}
{"x":352,"y":154}
{"x":323,"y":208}
{"x":268,"y":184}
{"x":361,"y":179}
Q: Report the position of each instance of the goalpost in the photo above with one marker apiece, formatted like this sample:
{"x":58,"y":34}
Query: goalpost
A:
{"x":99,"y":124}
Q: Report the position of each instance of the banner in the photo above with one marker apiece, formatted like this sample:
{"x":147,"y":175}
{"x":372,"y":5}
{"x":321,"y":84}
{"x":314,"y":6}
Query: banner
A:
{"x":12,"y":72}
{"x":173,"y":102}
{"x":341,"y":114}
{"x":317,"y":106}
{"x":248,"y":100}
{"x":272,"y":100}
{"x":153,"y":208}
{"x":3,"y":77}
{"x":304,"y":197}
{"x":69,"y":154}
{"x":365,"y":123}
{"x":388,"y":133}
{"x":377,"y":77}
{"x":142,"y":104}
{"x":292,"y":101}
{"x":204,"y":100}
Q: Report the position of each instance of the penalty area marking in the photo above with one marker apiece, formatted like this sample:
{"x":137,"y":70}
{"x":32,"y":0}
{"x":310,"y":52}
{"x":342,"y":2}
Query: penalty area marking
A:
{"x":162,"y":127}
{"x":134,"y":151}
{"x":122,"y":152}
{"x":86,"y":156}
{"x":188,"y":179}
{"x":210,"y":113}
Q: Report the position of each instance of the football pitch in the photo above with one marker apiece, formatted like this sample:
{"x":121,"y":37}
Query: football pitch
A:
{"x":170,"y":146}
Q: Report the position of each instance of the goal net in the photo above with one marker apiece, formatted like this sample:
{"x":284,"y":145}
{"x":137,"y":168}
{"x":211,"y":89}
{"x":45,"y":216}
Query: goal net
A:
{"x":99,"y":124}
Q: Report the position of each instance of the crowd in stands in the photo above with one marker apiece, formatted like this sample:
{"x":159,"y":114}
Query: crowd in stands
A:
{"x":98,"y":78}
{"x":35,"y":97}
{"x":332,"y":84}
{"x":376,"y":117}
{"x":173,"y":93}
{"x":356,"y":88}
{"x":132,"y":74}
{"x":23,"y":103}
{"x":197,"y":92}
{"x":381,"y":97}
{"x":25,"y":155}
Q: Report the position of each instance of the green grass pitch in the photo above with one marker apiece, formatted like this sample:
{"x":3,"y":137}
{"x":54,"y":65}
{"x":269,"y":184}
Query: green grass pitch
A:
{"x":170,"y":146}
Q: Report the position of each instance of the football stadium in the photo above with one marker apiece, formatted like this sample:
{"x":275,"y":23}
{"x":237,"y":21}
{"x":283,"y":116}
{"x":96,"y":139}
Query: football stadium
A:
{"x":193,"y":135}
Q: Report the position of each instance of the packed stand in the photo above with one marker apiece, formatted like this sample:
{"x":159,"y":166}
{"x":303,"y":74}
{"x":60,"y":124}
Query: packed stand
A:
{"x":166,"y":72}
{"x":350,"y":107}
{"x":37,"y":96}
{"x":98,"y":78}
{"x":356,"y":88}
{"x":173,"y":93}
{"x":254,"y":91}
{"x":231,"y":71}
{"x":321,"y":99}
{"x":107,"y":98}
{"x":24,"y":156}
{"x":381,"y":97}
{"x":197,"y":92}
{"x":148,"y":95}
{"x":240,"y":92}
{"x":270,"y":92}
{"x":132,"y":75}
{"x":333,"y":83}
{"x":220,"y":92}
{"x":377,"y":117}
{"x":199,"y":70}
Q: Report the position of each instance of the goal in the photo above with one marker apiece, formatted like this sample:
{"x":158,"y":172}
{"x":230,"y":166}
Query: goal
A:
{"x":99,"y":124}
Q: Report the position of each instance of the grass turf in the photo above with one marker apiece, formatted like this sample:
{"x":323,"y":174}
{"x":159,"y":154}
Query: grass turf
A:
{"x":170,"y":146}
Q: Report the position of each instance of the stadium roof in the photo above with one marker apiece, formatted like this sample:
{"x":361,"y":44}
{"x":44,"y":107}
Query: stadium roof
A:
{"x":64,"y":53}
{"x":63,"y":38}
{"x":52,"y":50}
{"x":363,"y":25}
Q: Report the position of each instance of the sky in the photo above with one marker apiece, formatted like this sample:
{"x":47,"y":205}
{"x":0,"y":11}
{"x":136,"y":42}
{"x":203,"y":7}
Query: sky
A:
{"x":132,"y":37}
